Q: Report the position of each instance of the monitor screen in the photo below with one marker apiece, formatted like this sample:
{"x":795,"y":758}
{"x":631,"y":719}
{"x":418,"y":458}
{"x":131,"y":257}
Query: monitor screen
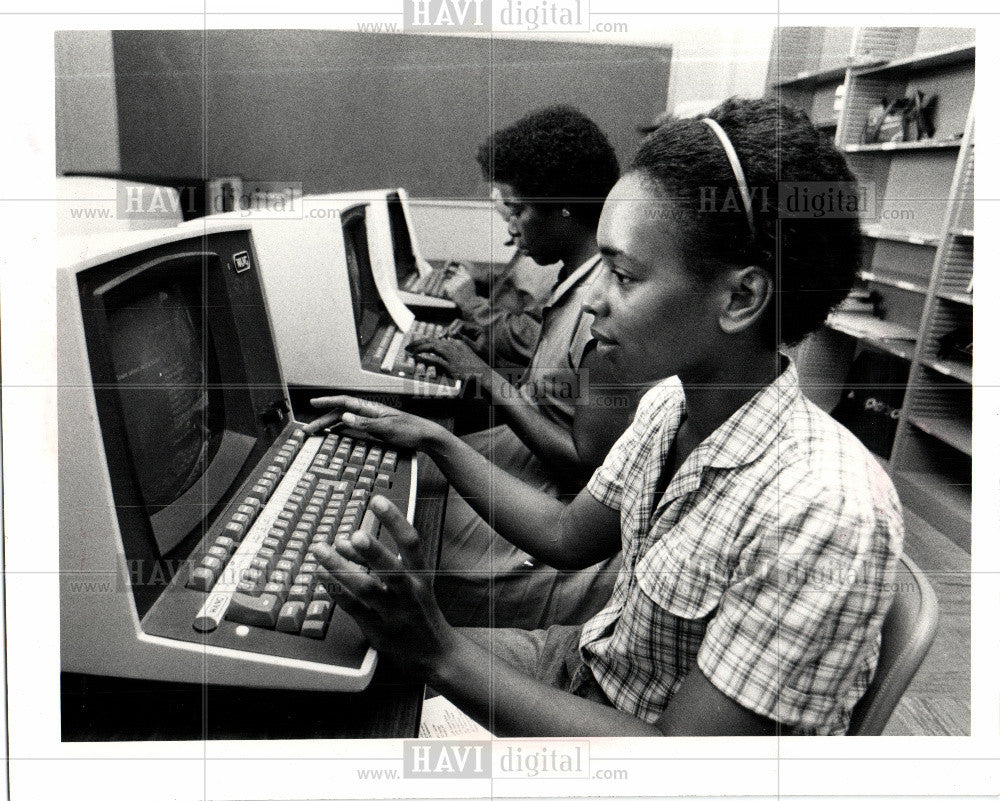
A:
{"x":166,"y":374}
{"x":365,"y":299}
{"x":402,"y":245}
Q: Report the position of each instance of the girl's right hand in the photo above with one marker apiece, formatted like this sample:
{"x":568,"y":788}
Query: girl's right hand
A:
{"x":366,"y":418}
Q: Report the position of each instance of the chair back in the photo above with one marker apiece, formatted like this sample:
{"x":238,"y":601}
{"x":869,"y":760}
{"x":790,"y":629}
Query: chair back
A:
{"x":907,"y":634}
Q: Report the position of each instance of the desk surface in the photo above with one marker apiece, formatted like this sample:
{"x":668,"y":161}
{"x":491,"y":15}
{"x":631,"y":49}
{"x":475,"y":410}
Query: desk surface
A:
{"x":106,"y":709}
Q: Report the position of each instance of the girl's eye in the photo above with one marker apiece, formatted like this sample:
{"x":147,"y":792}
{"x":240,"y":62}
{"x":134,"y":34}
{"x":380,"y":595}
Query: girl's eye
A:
{"x":621,"y":277}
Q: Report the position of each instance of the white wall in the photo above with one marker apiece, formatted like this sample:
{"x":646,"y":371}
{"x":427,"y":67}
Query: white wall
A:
{"x":86,"y":106}
{"x":468,"y":230}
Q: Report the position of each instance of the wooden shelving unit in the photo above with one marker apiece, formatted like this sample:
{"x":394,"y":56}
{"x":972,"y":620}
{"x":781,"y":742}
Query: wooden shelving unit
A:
{"x":919,"y":233}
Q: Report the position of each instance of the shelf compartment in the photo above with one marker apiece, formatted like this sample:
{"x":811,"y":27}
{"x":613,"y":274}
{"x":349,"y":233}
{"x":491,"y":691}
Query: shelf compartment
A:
{"x":963,"y":223}
{"x":906,"y":147}
{"x":811,"y":79}
{"x":956,"y":266}
{"x":946,"y":317}
{"x":952,"y":431}
{"x":900,"y":283}
{"x":941,"y":407}
{"x":902,"y":68}
{"x":901,"y":348}
{"x":965,"y":298}
{"x":942,"y":501}
{"x":865,"y":326}
{"x":950,"y":368}
{"x":907,"y":237}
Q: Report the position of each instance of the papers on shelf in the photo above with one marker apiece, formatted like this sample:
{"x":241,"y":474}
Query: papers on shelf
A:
{"x":869,"y":327}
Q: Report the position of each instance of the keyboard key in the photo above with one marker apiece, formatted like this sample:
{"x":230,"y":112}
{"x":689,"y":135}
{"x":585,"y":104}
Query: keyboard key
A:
{"x":315,"y":629}
{"x":291,"y":616}
{"x":255,"y":576}
{"x":319,"y":610}
{"x":236,"y":531}
{"x":305,"y":580}
{"x":260,"y":492}
{"x":249,"y":587}
{"x":277,"y":589}
{"x":299,"y":593}
{"x":201,"y":578}
{"x":261,"y":611}
{"x":228,"y":543}
{"x":383,"y":481}
{"x":213,"y":563}
{"x":219,"y":553}
{"x":263,"y":563}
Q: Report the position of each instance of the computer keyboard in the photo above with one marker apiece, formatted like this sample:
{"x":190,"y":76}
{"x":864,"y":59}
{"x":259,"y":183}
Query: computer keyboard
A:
{"x":389,"y":356}
{"x":431,"y":284}
{"x":253,"y":583}
{"x":262,"y":570}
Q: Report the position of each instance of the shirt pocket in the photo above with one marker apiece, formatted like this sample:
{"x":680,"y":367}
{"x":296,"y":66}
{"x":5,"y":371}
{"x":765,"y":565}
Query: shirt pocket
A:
{"x":681,"y":577}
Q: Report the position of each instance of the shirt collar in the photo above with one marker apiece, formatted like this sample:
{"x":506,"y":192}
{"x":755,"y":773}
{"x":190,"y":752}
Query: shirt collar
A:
{"x":566,"y":283}
{"x":738,"y":441}
{"x":755,"y":425}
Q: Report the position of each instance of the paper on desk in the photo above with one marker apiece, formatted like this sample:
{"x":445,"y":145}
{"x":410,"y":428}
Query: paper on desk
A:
{"x":442,"y":719}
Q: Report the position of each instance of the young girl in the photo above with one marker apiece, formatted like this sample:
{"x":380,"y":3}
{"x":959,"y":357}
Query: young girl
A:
{"x":552,"y":170}
{"x":757,"y":533}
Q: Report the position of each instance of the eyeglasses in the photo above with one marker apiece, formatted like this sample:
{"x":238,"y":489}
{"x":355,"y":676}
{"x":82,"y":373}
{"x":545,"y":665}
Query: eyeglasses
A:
{"x":499,"y":204}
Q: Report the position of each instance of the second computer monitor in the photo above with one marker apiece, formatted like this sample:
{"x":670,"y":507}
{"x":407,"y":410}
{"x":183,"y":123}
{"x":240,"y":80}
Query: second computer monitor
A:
{"x":335,"y":314}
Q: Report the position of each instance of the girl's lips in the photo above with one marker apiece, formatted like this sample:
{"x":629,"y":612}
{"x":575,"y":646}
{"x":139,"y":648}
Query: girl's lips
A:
{"x":601,"y":337}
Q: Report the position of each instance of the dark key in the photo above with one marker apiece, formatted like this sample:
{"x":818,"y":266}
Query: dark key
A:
{"x":291,"y":616}
{"x":202,"y":578}
{"x":277,"y":589}
{"x":319,"y":610}
{"x":219,"y":553}
{"x":261,"y":612}
{"x":316,"y":629}
{"x":236,"y":531}
{"x":299,"y":592}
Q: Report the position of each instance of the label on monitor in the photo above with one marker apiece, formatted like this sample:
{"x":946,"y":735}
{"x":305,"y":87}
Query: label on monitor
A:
{"x":241,"y":261}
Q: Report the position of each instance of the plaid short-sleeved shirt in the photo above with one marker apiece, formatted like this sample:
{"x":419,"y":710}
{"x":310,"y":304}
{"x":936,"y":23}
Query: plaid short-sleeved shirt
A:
{"x":764,"y":562}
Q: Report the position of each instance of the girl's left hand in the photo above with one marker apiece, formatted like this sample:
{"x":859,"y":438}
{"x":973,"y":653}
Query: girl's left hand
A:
{"x":454,"y":356}
{"x":390,"y":597}
{"x":459,"y":285}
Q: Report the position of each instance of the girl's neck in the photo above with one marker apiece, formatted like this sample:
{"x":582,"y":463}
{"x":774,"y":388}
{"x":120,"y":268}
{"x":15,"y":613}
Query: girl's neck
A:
{"x":579,"y":251}
{"x":713,"y":399}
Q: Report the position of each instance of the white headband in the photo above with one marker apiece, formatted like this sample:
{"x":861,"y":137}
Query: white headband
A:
{"x":734,"y":162}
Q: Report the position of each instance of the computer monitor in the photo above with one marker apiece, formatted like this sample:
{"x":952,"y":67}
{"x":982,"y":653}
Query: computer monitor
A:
{"x":393,"y":243}
{"x":335,"y":315}
{"x":88,"y":205}
{"x":172,"y":407}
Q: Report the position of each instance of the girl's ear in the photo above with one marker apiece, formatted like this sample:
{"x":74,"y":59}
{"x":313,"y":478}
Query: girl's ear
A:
{"x":749,"y":291}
